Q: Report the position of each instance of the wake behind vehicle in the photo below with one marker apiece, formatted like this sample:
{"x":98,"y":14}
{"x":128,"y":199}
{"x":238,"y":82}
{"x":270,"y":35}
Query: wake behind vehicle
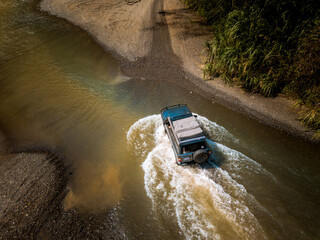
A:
{"x":187,"y":138}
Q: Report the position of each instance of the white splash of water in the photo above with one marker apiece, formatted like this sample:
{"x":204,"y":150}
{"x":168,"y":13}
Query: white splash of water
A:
{"x":206,"y":203}
{"x":141,"y":135}
{"x":215,"y":131}
{"x":236,"y":162}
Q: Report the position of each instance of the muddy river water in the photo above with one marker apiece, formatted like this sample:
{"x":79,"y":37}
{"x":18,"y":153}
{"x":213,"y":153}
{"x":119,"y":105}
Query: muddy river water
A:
{"x":61,"y":92}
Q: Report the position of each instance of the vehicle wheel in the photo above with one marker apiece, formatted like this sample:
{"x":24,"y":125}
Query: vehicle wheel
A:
{"x":200,"y":156}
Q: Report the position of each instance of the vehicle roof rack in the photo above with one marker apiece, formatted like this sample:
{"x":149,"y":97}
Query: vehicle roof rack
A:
{"x":186,"y":128}
{"x":173,"y":106}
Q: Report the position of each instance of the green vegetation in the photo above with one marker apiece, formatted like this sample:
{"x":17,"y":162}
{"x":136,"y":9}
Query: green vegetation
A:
{"x":267,"y":47}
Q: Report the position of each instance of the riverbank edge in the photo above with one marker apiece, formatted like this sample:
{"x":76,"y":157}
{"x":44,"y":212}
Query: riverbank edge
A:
{"x":188,"y":35}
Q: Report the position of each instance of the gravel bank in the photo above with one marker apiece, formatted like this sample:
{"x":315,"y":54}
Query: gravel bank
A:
{"x":32,"y":189}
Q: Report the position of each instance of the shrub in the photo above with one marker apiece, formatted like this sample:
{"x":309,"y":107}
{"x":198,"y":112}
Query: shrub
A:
{"x":267,"y":47}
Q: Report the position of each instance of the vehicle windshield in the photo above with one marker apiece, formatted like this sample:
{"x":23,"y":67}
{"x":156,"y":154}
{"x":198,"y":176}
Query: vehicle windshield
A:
{"x":193,"y":147}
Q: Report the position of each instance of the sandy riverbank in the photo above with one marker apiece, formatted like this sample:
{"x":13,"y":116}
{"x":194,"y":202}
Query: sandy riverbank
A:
{"x":153,"y":39}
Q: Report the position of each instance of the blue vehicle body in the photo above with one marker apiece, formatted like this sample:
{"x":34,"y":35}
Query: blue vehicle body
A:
{"x":175,"y":112}
{"x":187,"y":138}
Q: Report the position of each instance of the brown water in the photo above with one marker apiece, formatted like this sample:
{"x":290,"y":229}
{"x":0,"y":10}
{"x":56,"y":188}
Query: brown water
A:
{"x":60,"y":91}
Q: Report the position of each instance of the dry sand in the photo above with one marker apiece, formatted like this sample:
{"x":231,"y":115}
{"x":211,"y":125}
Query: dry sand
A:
{"x":113,"y":23}
{"x":153,"y":38}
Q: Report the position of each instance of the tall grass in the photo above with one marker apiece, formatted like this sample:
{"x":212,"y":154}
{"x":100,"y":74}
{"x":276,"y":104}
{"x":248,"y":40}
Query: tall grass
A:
{"x":267,"y":47}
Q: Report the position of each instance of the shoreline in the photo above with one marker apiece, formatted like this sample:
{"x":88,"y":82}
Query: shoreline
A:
{"x":162,"y":39}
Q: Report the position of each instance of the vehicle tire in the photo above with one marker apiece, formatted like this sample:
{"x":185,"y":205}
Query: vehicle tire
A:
{"x":200,"y":156}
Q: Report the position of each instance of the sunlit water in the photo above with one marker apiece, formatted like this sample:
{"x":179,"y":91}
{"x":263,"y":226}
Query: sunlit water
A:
{"x":60,"y":91}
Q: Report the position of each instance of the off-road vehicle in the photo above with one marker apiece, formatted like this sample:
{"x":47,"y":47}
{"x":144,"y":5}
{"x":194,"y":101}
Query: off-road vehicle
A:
{"x":187,"y":138}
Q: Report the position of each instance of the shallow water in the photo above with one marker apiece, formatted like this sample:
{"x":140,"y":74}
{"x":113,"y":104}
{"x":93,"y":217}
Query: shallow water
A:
{"x":60,"y":91}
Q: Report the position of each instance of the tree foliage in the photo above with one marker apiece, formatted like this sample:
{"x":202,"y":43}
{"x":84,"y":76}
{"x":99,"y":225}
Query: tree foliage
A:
{"x":268,"y":47}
